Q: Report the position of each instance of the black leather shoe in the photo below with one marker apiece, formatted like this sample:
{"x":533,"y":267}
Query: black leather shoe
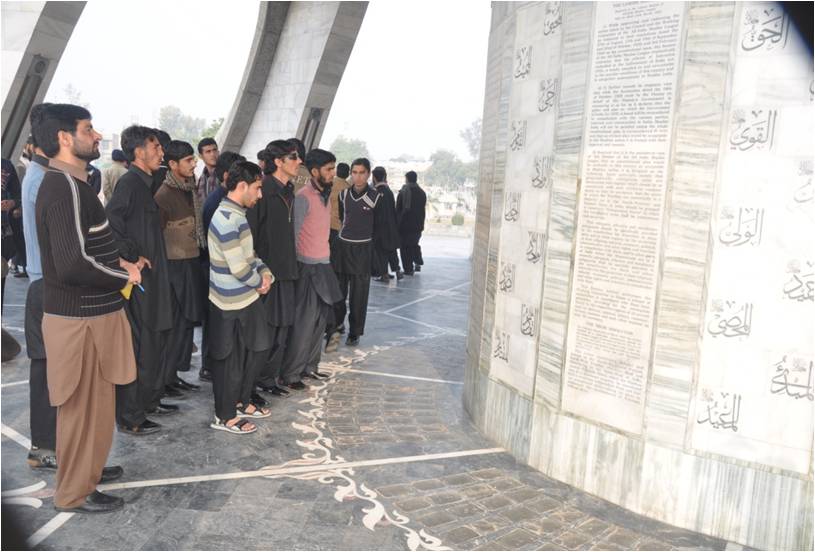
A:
{"x":96,"y":503}
{"x":352,"y":341}
{"x":296,"y":385}
{"x":173,"y":392}
{"x":400,"y":275}
{"x":418,"y":268}
{"x":280,"y":392}
{"x":111,"y":473}
{"x":259,"y":401}
{"x":164,"y":408}
{"x":317,"y":375}
{"x":205,"y":375}
{"x":185,"y":385}
{"x":408,"y":273}
{"x":274,"y":390}
{"x":145,"y":428}
{"x":41,"y":459}
{"x":390,"y":276}
{"x":341,"y":329}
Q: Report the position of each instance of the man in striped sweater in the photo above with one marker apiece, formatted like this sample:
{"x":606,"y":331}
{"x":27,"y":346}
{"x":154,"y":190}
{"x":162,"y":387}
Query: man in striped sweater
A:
{"x":239,"y":340}
{"x":85,"y":331}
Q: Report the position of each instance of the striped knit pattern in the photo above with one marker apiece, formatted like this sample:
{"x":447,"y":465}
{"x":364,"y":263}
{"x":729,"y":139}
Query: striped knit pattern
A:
{"x":80,"y":259}
{"x":235,"y":271}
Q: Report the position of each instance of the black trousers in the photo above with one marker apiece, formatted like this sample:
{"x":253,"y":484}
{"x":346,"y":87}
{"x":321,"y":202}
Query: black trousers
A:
{"x":233,"y":377}
{"x":179,"y":345}
{"x":204,"y":329}
{"x":410,"y":250}
{"x":304,"y":349}
{"x":43,"y":416}
{"x":355,"y":288}
{"x":271,"y":370}
{"x":135,"y":399}
{"x":382,"y":258}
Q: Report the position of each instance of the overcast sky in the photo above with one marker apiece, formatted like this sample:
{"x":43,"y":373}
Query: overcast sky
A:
{"x":425,"y":61}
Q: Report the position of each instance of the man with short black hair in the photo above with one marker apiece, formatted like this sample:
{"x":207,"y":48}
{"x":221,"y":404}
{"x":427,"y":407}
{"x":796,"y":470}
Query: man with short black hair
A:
{"x":316,"y":290}
{"x":352,"y":261}
{"x":238,"y":339}
{"x":208,"y":181}
{"x":184,"y":238}
{"x":85,"y":331}
{"x":112,"y":174}
{"x":410,"y":213}
{"x":386,"y":235}
{"x":221,"y":171}
{"x":136,"y":222}
{"x":272,"y":224}
{"x":43,"y":416}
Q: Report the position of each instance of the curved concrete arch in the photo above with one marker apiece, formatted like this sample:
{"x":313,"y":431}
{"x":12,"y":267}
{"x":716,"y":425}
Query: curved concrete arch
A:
{"x":297,"y":60}
{"x":35,"y":35}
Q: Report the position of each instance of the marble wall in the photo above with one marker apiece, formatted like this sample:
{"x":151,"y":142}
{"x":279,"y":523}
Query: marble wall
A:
{"x":642,"y":306}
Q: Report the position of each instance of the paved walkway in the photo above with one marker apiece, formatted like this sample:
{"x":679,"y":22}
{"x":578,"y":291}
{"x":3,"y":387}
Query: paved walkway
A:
{"x":380,"y":456}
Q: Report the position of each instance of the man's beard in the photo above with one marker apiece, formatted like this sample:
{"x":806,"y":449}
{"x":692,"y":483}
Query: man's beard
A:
{"x":86,"y":155}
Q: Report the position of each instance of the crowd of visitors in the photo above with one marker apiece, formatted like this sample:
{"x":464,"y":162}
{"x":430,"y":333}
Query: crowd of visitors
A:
{"x":268,"y":258}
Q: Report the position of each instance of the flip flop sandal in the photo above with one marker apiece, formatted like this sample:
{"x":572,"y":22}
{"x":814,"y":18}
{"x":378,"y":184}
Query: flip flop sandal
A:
{"x":257,"y":414}
{"x":237,"y":428}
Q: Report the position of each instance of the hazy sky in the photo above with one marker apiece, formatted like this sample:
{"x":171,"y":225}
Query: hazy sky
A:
{"x":414,"y":80}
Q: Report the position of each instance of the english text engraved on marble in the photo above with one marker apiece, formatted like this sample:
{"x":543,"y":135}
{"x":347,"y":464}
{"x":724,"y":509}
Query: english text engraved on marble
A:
{"x":626,"y":149}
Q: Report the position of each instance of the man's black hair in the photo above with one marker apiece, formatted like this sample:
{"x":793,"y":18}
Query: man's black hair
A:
{"x":56,"y":118}
{"x":135,"y":136}
{"x":379,"y":174}
{"x":225,"y":161}
{"x":35,"y":118}
{"x":206,"y":142}
{"x":163,"y":138}
{"x":343,"y":170}
{"x":362,"y":161}
{"x":177,"y":150}
{"x":301,"y":148}
{"x":242,"y":171}
{"x":410,"y":176}
{"x":318,"y":158}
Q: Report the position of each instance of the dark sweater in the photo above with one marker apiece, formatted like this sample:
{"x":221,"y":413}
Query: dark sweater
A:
{"x":80,"y":260}
{"x":357,"y":214}
{"x":272,"y":224}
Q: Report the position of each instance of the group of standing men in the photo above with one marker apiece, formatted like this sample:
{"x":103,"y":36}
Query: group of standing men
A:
{"x":251,"y":254}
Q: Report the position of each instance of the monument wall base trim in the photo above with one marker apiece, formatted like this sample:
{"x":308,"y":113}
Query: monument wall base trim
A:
{"x":702,"y":493}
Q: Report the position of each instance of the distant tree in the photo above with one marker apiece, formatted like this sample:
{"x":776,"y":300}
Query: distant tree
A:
{"x":472,"y":137}
{"x":211,"y":130}
{"x":446,"y":170}
{"x":180,"y":126}
{"x":348,"y":149}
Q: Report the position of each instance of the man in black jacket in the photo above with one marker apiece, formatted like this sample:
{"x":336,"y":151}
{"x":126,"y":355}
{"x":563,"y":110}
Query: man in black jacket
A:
{"x":386,"y":231}
{"x":135,"y":219}
{"x":410,"y":212}
{"x":271,"y":221}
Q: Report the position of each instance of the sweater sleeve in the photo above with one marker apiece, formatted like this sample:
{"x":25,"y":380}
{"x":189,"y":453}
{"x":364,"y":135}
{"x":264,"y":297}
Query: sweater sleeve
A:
{"x":119,"y":209}
{"x":300,"y":213}
{"x":231,"y":240}
{"x":74,"y":266}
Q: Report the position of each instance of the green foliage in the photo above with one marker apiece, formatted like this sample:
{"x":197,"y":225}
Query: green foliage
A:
{"x":457,"y":219}
{"x":348,"y":149}
{"x":210,"y":131}
{"x":447,"y":170}
{"x":180,"y":126}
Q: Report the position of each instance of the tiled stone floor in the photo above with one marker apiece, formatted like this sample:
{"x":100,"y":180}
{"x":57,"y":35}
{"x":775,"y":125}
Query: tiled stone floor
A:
{"x":381,"y":456}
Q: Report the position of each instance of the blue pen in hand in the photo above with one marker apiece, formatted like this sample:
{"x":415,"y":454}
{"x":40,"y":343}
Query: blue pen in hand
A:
{"x":141,"y":288}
